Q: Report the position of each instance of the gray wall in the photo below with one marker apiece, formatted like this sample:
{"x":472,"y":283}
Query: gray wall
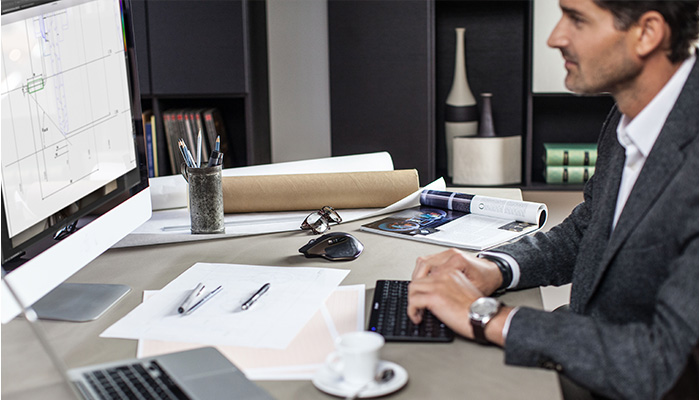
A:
{"x":298,"y":73}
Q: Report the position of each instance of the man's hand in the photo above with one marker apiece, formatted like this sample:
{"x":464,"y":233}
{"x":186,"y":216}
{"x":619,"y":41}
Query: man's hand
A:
{"x":483,"y":274}
{"x":448,"y":295}
{"x":447,"y":283}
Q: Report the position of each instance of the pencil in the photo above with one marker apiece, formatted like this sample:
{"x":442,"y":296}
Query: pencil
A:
{"x":199,"y":149}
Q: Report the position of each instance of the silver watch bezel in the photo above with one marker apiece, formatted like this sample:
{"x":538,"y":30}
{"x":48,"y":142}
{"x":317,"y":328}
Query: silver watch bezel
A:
{"x":483,"y":309}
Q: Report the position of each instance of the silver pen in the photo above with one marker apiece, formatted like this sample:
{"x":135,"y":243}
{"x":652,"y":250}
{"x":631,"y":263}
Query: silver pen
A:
{"x":255,"y":297}
{"x":203,"y":300}
{"x":188,"y":301}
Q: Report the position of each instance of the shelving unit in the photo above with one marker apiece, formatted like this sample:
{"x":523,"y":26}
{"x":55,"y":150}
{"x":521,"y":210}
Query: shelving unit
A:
{"x":206,"y":53}
{"x":391,"y":69}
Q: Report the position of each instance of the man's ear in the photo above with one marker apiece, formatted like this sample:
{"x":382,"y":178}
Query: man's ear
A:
{"x":651,"y":34}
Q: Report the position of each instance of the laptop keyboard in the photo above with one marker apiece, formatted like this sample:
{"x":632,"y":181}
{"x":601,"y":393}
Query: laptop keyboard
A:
{"x":389,"y":318}
{"x":134,"y":381}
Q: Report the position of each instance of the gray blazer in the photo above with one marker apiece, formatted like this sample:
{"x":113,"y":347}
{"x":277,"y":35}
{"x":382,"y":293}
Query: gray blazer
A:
{"x":634,"y":301}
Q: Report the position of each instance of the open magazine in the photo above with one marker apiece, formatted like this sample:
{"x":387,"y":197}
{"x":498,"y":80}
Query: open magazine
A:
{"x":463,"y":220}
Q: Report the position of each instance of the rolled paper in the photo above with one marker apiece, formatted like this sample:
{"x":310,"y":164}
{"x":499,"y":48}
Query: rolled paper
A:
{"x":313,"y":191}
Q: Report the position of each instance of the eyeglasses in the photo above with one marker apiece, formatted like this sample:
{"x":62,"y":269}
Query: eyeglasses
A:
{"x":321,"y":220}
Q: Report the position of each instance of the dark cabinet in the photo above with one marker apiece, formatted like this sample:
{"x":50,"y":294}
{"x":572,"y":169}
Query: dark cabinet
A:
{"x":382,"y":81}
{"x":197,"y":47}
{"x":391,"y":68}
{"x":203,"y":54}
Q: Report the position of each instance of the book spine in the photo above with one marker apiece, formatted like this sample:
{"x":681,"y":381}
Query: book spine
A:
{"x":154,"y":135}
{"x":568,"y":174}
{"x":215,"y":128}
{"x":171,"y":136}
{"x":150,"y":150}
{"x":200,"y":129}
{"x":582,"y":157}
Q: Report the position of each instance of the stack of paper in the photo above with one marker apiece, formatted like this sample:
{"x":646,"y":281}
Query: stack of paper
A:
{"x":294,"y":296}
{"x":342,"y":312}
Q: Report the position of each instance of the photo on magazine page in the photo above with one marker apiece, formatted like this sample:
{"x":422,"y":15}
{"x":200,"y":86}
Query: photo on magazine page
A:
{"x":422,"y":220}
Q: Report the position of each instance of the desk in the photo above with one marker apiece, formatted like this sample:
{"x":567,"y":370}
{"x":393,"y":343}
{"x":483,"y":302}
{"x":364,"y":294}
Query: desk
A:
{"x":440,"y":371}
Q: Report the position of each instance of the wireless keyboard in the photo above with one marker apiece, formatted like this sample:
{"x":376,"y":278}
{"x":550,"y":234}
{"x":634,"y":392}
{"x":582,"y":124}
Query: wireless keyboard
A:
{"x":389,"y":318}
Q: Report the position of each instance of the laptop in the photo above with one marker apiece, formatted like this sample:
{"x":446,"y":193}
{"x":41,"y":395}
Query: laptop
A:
{"x":199,"y":374}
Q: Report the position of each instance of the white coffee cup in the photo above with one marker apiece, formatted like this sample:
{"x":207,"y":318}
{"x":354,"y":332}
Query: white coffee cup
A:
{"x":356,"y":356}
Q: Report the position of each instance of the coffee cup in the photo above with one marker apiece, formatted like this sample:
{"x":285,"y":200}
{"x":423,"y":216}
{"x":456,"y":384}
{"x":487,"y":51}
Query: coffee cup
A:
{"x":356,"y":356}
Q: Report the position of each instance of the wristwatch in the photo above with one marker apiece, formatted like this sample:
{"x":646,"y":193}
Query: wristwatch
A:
{"x":480,"y":313}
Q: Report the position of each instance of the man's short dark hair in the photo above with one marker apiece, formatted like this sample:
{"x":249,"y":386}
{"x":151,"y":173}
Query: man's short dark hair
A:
{"x":681,"y":16}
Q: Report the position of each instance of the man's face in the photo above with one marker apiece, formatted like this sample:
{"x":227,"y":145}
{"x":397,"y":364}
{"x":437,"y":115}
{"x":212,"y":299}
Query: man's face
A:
{"x":598,"y":57}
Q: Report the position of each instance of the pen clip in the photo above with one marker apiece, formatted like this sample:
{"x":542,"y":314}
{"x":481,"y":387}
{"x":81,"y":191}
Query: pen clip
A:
{"x":191,"y":297}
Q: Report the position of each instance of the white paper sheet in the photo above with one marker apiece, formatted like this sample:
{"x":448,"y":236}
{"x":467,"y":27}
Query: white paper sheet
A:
{"x":171,"y":191}
{"x":294,"y":296}
{"x":342,"y":312}
{"x":171,"y":226}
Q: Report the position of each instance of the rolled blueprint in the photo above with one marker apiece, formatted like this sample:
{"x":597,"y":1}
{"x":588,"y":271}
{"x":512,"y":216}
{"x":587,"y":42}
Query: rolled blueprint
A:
{"x":312,"y":191}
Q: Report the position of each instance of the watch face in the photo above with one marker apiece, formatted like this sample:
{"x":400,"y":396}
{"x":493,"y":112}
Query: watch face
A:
{"x":485,"y":306}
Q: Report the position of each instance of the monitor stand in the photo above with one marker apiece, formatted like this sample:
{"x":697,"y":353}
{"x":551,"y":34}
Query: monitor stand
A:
{"x":79,"y":302}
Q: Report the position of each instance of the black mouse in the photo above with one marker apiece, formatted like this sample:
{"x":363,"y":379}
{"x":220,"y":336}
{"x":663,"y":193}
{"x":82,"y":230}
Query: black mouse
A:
{"x":334,"y":246}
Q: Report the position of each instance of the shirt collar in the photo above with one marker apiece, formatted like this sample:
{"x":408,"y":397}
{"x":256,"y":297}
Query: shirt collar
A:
{"x":644,"y":129}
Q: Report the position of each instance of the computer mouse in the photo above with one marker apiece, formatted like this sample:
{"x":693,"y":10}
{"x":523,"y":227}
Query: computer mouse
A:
{"x":334,"y":246}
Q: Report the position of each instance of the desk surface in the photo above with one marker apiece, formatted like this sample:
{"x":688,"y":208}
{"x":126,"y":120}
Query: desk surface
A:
{"x":435,"y":370}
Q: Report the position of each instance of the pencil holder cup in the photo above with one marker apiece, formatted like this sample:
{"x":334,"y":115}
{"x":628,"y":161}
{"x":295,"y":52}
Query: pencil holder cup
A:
{"x":206,"y":199}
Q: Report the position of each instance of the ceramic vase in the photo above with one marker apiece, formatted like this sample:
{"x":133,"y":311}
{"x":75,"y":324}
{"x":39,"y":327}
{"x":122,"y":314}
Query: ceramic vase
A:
{"x":486,"y":128}
{"x":461,"y":114}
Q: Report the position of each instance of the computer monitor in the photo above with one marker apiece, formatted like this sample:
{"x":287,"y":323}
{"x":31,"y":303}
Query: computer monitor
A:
{"x":74,"y":176}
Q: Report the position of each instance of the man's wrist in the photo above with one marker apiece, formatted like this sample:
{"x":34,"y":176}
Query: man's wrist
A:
{"x":494,"y":329}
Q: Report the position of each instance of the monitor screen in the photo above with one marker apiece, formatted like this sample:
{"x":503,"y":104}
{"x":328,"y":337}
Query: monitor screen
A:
{"x":74,"y":179}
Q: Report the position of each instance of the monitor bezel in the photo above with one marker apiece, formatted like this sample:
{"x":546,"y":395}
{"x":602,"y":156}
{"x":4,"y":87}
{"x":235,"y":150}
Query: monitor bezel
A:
{"x":112,"y":209}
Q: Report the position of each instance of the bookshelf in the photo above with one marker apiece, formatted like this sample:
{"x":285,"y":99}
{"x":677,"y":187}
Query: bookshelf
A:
{"x":206,"y":54}
{"x":391,"y":69}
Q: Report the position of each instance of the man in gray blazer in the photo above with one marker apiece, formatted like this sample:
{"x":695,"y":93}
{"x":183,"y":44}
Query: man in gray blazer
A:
{"x":630,"y":249}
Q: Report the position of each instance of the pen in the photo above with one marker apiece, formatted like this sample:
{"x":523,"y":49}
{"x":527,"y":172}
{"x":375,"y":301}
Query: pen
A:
{"x":182,"y":148}
{"x":255,"y":297}
{"x":189,"y":155}
{"x":193,"y":294}
{"x":203,"y":300}
{"x":199,"y":149}
{"x":216,"y":157}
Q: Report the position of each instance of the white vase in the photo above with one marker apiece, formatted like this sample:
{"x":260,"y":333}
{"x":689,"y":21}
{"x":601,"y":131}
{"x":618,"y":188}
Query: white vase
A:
{"x":461,"y":113}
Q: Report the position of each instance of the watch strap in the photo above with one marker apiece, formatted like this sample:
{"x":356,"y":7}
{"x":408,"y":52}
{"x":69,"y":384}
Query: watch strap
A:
{"x":479,"y":330}
{"x":506,"y":271}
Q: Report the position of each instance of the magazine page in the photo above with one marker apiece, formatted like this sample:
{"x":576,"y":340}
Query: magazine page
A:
{"x":463,"y":220}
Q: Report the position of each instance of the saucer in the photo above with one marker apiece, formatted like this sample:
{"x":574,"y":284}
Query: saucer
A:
{"x":328,"y":381}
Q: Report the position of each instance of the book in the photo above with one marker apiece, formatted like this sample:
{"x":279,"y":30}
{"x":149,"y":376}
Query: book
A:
{"x":172,"y":134}
{"x":150,"y":150}
{"x":198,"y":127}
{"x":148,"y":139}
{"x":214,"y":124}
{"x":462,"y":220}
{"x":568,"y":174}
{"x":154,"y":135}
{"x":570,"y":153}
